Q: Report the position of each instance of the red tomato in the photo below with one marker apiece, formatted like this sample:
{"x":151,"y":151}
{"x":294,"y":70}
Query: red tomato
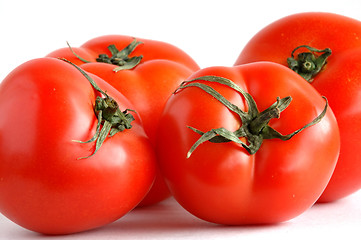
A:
{"x":46,"y":184}
{"x":147,"y":85}
{"x":339,"y":80}
{"x":222,"y":182}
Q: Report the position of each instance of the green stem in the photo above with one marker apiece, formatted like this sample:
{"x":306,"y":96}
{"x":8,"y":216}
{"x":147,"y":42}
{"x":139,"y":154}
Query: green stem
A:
{"x":76,"y":55}
{"x":262,"y":119}
{"x":254,"y":125}
{"x":308,"y":64}
{"x":111,"y":119}
{"x":119,"y":58}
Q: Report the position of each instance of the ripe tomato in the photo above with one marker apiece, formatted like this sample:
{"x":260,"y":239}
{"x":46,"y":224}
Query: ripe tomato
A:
{"x":221,"y":181}
{"x":151,"y":70}
{"x":339,"y":80}
{"x":51,"y":183}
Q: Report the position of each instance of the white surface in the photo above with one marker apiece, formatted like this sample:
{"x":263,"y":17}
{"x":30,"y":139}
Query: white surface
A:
{"x":213,"y":33}
{"x":167,"y":220}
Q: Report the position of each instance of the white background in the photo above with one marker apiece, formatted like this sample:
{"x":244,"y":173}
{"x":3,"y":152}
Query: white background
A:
{"x":213,"y":33}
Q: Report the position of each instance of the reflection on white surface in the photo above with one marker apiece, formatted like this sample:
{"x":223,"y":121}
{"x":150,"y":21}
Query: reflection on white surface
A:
{"x":168,"y":220}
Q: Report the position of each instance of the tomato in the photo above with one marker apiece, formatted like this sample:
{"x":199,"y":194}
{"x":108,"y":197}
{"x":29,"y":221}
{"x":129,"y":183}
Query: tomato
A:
{"x":148,"y":82}
{"x":49,"y":181}
{"x":339,"y":79}
{"x":231,"y":182}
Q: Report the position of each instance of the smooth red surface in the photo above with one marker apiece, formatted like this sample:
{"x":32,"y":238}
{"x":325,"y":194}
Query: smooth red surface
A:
{"x":224,"y":184}
{"x":44,"y":186}
{"x":147,"y":86}
{"x":339,"y":81}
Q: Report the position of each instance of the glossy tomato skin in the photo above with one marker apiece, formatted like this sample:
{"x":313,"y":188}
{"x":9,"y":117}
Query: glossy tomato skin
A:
{"x":320,"y":30}
{"x":44,"y":185}
{"x":148,"y":85}
{"x":222,"y":182}
{"x":339,"y":81}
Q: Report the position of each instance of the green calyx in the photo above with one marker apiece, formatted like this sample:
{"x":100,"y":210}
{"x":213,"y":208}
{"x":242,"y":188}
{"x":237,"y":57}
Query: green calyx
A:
{"x":111,"y":119}
{"x":308,"y":64}
{"x":119,"y":58}
{"x":254,"y":127}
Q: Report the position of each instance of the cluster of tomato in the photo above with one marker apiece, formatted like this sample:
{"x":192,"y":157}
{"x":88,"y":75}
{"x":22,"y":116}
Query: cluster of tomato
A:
{"x":121,"y":122}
